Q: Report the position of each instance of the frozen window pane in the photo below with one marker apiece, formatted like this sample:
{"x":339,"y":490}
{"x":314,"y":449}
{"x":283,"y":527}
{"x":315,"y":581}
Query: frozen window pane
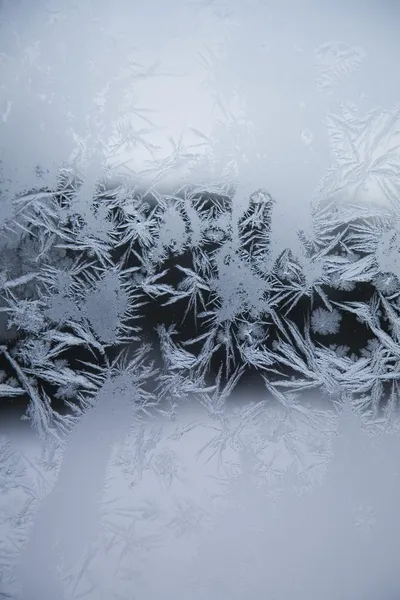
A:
{"x":199,"y":299}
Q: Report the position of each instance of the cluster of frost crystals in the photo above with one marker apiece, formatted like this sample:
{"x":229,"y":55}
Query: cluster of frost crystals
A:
{"x":325,"y":322}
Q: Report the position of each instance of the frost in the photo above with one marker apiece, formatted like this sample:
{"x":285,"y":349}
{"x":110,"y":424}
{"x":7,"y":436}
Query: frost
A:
{"x":335,"y":61}
{"x":366,"y":150}
{"x":325,"y":322}
{"x":105,"y":307}
{"x":202,"y":329}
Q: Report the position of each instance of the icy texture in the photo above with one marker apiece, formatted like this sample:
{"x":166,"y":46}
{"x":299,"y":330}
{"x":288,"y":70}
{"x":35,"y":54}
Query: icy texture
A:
{"x":202,"y":322}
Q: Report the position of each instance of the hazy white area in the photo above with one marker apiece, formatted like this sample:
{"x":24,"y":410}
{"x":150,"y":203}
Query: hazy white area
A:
{"x":278,"y":69}
{"x":314,"y":516}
